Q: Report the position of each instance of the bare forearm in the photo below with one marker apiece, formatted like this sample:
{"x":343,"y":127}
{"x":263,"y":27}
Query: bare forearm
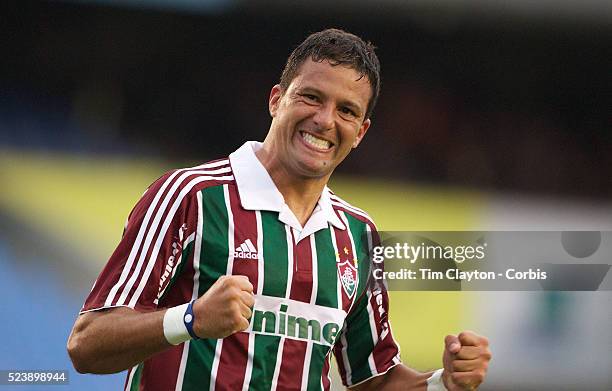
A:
{"x":112,"y":341}
{"x":398,"y":378}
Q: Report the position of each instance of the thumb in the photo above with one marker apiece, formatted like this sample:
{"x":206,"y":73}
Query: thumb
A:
{"x":452,"y":344}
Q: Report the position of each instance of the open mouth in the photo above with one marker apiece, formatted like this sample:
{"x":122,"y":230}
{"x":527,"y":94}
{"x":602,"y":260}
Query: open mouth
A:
{"x":316,"y":142}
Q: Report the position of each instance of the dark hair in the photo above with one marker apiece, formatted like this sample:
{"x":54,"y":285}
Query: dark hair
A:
{"x":339,"y":48}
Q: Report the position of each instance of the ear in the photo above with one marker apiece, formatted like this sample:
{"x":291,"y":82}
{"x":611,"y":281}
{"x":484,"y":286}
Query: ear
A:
{"x":362,"y":131}
{"x":273,"y":101}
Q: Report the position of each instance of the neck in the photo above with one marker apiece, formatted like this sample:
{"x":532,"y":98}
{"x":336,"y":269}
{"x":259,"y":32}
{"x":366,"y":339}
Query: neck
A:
{"x":301,"y":194}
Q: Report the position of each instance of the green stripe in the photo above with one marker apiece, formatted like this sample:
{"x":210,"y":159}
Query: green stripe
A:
{"x":317,"y":358}
{"x":274,"y":284}
{"x":199,"y":364}
{"x":275,"y":255}
{"x":135,"y":386}
{"x":214,"y":250}
{"x":359,"y":340}
{"x":327,"y":274}
{"x":359,"y":345}
{"x":265,"y":353}
{"x":358,"y":232}
{"x":187,"y":251}
{"x":213,"y":264}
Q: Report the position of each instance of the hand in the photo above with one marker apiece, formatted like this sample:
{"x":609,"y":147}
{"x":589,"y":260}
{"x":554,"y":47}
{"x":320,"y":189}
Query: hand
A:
{"x":225,"y":308}
{"x":466,"y":359}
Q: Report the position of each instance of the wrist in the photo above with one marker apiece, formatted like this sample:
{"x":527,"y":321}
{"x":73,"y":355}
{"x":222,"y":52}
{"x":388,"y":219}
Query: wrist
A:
{"x":178,"y":324}
{"x":435,"y":382}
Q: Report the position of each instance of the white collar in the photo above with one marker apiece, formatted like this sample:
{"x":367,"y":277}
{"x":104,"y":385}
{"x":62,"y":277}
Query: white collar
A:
{"x":258,"y":192}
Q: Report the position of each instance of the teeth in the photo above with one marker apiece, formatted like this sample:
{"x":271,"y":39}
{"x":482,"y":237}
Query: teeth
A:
{"x":316,"y":142}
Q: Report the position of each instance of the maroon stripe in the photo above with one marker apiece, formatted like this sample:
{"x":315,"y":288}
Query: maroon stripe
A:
{"x":345,"y":252}
{"x":233,"y":362}
{"x":359,"y":217}
{"x":166,"y":245}
{"x":161,"y":371}
{"x":291,"y":370}
{"x":339,"y":359}
{"x":234,"y":353}
{"x":245,"y":228}
{"x":325,"y":373}
{"x":294,"y":352}
{"x":301,"y":284}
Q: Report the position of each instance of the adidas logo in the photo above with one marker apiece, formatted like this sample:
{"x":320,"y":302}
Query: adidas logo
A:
{"x":246,"y":250}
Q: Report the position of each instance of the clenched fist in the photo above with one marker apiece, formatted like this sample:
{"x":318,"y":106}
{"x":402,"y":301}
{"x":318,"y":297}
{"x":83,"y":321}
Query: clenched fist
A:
{"x":466,"y":359}
{"x":225,"y":308}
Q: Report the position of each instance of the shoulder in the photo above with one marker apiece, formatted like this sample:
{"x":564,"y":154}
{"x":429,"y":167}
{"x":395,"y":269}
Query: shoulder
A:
{"x":351,"y":211}
{"x":185,"y":181}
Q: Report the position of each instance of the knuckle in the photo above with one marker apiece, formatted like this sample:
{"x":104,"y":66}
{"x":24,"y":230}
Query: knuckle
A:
{"x":456,"y":365}
{"x":479,"y":376}
{"x":465,"y":334}
{"x":485,"y":365}
{"x":456,"y":377}
{"x":487,"y":355}
{"x":236,"y":320}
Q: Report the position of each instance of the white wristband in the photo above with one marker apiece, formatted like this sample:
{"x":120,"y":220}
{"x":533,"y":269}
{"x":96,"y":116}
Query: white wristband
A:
{"x":435,"y":383}
{"x":174,"y":326}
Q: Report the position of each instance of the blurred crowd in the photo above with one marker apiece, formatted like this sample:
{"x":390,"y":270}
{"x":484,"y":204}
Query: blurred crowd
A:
{"x":512,"y":107}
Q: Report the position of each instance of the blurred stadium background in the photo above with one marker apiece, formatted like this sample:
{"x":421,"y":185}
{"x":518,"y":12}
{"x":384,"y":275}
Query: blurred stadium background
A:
{"x":491,"y":117}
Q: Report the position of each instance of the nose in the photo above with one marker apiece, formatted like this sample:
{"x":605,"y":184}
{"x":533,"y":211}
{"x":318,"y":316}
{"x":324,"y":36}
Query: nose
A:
{"x":324,"y":117}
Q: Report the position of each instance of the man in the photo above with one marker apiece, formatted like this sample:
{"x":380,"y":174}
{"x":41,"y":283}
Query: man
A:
{"x":248,"y":272}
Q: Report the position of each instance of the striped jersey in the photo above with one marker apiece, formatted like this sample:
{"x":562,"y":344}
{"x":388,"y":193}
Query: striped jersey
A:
{"x":313,"y":295}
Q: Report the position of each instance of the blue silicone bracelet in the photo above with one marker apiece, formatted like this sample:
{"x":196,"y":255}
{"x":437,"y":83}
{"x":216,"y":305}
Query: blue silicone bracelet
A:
{"x":188,"y":319}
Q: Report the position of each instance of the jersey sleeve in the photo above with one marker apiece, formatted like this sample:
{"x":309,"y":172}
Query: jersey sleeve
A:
{"x":150,"y":252}
{"x":365,"y":347}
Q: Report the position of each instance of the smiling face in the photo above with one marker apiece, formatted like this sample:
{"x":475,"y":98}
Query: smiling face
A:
{"x":318,"y":119}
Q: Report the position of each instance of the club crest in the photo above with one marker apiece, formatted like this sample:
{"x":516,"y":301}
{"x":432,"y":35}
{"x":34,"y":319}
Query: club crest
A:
{"x":349,"y":277}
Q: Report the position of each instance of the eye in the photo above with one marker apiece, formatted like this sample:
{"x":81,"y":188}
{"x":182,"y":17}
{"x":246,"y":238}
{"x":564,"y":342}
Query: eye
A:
{"x":310,"y":97}
{"x":348,"y":111}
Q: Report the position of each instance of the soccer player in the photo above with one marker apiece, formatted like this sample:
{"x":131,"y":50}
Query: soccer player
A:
{"x":248,"y":273}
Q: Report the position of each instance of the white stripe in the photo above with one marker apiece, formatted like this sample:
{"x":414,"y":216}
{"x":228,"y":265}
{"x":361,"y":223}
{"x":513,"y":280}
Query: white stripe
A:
{"x":329,"y":366}
{"x":196,"y":285}
{"x":215,"y":365}
{"x":279,"y":359}
{"x":341,"y":201}
{"x":347,"y":366}
{"x":371,"y":317}
{"x":161,"y":236}
{"x":313,"y":300}
{"x":338,"y":282}
{"x":315,"y":270}
{"x":345,"y":360}
{"x":249,"y":367}
{"x":260,"y":260}
{"x":289,"y":261}
{"x":354,"y":252}
{"x":128,"y":384}
{"x":250,"y":245}
{"x":189,"y":239}
{"x":244,"y":248}
{"x":373,"y":331}
{"x":158,"y":218}
{"x":279,"y":355}
{"x":228,"y":272}
{"x":354,"y":210}
{"x":260,"y":271}
{"x":306,"y":367}
{"x":143,"y":229}
{"x":176,"y":266}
